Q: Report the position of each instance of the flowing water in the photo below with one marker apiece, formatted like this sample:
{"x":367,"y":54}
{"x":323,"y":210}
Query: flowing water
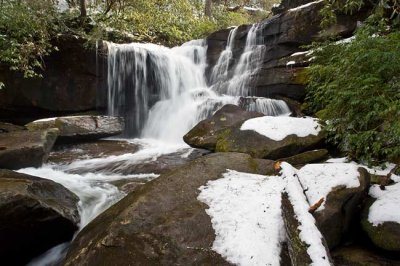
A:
{"x":162,"y":93}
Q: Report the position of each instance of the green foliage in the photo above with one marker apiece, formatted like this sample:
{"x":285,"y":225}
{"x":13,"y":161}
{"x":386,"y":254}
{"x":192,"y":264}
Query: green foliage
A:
{"x":25,"y":32}
{"x":355,"y":87}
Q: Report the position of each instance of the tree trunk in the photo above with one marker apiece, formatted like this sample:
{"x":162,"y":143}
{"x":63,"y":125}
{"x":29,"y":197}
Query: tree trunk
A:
{"x":83,"y":8}
{"x":207,"y":8}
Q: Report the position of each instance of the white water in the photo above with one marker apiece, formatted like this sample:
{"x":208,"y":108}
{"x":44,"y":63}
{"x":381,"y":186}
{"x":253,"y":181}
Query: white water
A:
{"x":162,"y":93}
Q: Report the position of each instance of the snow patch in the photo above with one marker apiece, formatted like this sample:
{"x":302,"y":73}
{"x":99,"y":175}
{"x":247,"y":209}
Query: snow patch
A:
{"x":304,"y":6}
{"x":300,"y":53}
{"x":245,"y":211}
{"x":290,"y":63}
{"x":384,"y":209}
{"x":319,"y":179}
{"x":279,"y":127}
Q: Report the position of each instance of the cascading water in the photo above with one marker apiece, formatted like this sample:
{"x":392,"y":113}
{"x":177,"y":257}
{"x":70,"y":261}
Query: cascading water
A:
{"x":244,"y":72}
{"x":162,"y":92}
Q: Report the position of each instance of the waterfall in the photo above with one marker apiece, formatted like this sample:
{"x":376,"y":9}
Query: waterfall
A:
{"x":244,"y":72}
{"x":162,"y":92}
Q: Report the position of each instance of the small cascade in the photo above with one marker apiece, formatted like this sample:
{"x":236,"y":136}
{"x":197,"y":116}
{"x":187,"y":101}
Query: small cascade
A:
{"x":266,"y":106}
{"x":243,"y":78}
{"x":219,"y":72}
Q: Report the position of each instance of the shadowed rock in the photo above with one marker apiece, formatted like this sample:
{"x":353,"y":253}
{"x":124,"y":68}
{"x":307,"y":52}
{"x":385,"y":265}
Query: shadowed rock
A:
{"x":21,"y":149}
{"x":35,"y":215}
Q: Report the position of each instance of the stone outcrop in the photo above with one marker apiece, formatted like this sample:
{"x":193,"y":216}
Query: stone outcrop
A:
{"x":162,"y":223}
{"x":21,"y":149}
{"x":35,"y":215}
{"x":74,"y":80}
{"x":205,"y":134}
{"x":81,"y":128}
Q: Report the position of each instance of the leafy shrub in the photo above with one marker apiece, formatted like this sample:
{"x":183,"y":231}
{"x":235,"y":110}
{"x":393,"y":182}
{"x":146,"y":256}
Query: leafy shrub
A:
{"x":355,"y":87}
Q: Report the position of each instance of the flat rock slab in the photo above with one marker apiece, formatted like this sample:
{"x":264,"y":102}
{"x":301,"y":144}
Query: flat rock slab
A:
{"x":35,"y":215}
{"x":22,"y":149}
{"x":81,"y":128}
{"x":162,"y":223}
{"x":63,"y":154}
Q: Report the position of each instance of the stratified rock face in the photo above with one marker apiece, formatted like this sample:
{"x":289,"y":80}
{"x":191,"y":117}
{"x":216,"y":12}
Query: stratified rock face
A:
{"x":76,"y":128}
{"x":35,"y":215}
{"x":162,"y":223}
{"x":283,"y":35}
{"x":21,"y":149}
{"x":70,"y":81}
{"x":204,"y":135}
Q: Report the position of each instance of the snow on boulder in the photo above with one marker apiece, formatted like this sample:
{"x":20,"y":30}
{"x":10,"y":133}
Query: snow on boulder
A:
{"x":85,"y":127}
{"x":342,"y":186}
{"x":271,"y":137}
{"x":245,"y":212}
{"x":381,"y":218}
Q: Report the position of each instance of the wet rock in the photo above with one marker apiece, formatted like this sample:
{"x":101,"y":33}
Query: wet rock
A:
{"x":126,"y":166}
{"x":342,"y":209}
{"x":81,"y":128}
{"x":21,"y":149}
{"x":65,"y":154}
{"x":7,"y":127}
{"x":360,"y":256}
{"x":205,"y":134}
{"x":307,"y":157}
{"x":35,"y":215}
{"x":162,"y":223}
{"x":385,"y":235}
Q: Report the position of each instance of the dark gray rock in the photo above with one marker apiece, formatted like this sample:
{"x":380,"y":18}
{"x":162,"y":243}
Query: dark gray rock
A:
{"x":205,"y":134}
{"x":35,"y":215}
{"x":74,"y":80}
{"x":162,"y":223}
{"x":342,"y":209}
{"x":21,"y":149}
{"x":81,"y":128}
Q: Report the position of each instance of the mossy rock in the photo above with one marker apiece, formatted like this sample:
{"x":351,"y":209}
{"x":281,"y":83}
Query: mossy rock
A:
{"x":206,"y":133}
{"x":307,"y":157}
{"x":386,"y":235}
{"x":258,"y":146}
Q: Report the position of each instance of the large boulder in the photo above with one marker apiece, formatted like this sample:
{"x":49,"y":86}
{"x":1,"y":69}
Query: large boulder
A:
{"x":204,"y":135}
{"x":21,"y":149}
{"x":81,"y":128}
{"x":380,"y":220}
{"x":162,"y":223}
{"x":271,"y":137}
{"x":343,"y":188}
{"x":35,"y":215}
